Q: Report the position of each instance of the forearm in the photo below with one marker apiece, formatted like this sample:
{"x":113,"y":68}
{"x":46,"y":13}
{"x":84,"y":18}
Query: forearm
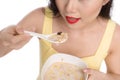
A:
{"x":110,"y":76}
{"x":4,"y":50}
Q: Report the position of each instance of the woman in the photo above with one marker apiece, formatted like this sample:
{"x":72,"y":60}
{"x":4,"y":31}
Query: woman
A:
{"x":92,"y":35}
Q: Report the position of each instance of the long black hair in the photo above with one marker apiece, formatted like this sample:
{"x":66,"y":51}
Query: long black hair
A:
{"x":105,"y":11}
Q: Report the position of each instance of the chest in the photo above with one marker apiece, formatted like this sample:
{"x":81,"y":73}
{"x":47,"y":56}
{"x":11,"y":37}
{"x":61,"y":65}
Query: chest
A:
{"x":80,"y":45}
{"x":83,"y":43}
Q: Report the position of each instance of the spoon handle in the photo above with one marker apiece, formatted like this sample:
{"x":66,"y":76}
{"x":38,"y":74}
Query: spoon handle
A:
{"x":36,"y":34}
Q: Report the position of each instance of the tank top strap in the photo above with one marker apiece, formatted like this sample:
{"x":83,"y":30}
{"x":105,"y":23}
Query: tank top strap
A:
{"x":106,"y":40}
{"x":47,"y":29}
{"x":47,"y":25}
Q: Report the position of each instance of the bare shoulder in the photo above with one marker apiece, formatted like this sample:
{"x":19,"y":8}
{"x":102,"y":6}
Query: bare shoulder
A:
{"x":113,"y":58}
{"x":116,"y":36}
{"x":33,"y":19}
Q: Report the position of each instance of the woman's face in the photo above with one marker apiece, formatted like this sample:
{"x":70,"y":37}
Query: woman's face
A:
{"x":79,"y":12}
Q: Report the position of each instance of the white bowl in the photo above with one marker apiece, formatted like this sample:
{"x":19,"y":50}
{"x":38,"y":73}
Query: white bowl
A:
{"x":63,"y":59}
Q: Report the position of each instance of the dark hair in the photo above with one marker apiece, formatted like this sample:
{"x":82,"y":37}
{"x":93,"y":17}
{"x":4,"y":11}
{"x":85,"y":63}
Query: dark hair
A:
{"x":105,"y":11}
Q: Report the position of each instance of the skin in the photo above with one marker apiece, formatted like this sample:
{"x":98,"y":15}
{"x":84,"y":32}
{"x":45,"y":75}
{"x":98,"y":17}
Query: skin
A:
{"x":87,"y":31}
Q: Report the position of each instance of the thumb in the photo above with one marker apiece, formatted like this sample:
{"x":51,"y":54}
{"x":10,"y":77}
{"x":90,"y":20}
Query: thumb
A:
{"x":21,"y":30}
{"x":31,"y":29}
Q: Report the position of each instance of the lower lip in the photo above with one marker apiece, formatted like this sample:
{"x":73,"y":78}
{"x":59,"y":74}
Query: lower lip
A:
{"x":72,"y":20}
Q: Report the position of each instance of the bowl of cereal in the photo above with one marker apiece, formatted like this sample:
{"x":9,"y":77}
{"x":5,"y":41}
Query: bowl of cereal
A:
{"x":62,"y":66}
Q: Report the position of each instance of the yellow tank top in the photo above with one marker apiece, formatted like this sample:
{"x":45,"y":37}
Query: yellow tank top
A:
{"x":94,"y":61}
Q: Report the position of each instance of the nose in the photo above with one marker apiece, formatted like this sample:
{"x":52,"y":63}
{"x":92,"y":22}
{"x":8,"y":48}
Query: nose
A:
{"x":71,"y":6}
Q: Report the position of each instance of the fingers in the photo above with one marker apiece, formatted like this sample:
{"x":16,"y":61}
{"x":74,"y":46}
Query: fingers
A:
{"x":14,"y":42}
{"x":13,"y":37}
{"x":21,"y":41}
{"x":94,"y":74}
{"x":22,"y":38}
{"x":90,"y":73}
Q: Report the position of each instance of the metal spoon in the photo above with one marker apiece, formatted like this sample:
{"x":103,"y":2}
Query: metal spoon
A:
{"x":58,"y":37}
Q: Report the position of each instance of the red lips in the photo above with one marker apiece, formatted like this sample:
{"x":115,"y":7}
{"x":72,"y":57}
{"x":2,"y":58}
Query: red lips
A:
{"x":72,"y":20}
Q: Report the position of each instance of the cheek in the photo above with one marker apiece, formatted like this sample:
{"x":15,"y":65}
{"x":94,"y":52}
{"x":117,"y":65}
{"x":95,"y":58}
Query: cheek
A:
{"x":91,"y":12}
{"x":60,"y":6}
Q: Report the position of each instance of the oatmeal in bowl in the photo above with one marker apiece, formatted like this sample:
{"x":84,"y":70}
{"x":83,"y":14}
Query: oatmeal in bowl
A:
{"x":63,"y":67}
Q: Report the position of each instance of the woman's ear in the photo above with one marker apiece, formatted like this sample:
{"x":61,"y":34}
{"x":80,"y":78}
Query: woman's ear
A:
{"x":105,"y":2}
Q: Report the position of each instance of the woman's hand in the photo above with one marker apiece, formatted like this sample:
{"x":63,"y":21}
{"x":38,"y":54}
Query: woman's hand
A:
{"x":94,"y":74}
{"x":12,"y":37}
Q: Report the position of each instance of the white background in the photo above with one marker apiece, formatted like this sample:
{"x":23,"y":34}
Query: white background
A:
{"x":24,"y":63}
